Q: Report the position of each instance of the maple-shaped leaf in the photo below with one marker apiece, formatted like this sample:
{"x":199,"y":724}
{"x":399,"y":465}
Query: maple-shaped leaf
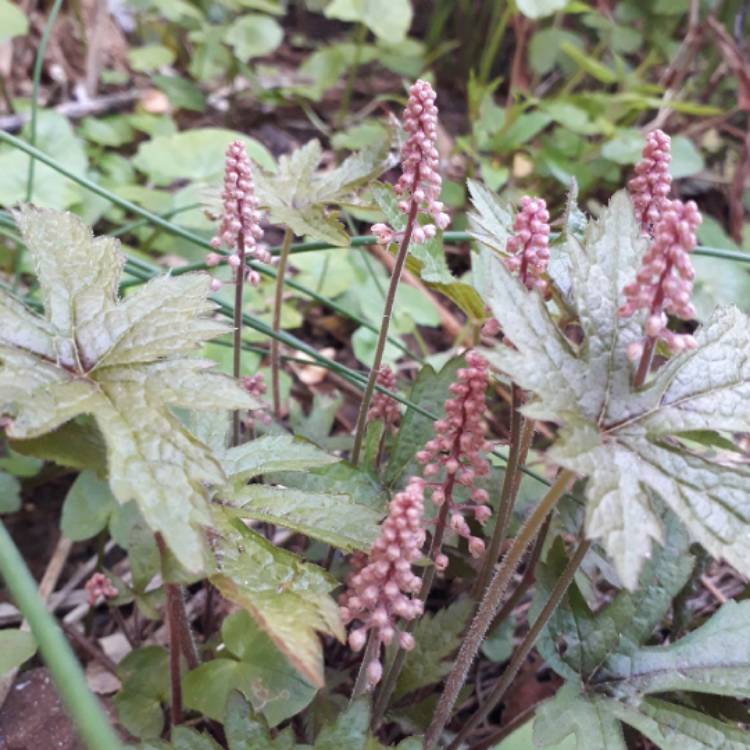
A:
{"x":289,"y":599}
{"x":626,"y":441}
{"x":126,"y":362}
{"x":299,"y":196}
{"x":714,"y":659}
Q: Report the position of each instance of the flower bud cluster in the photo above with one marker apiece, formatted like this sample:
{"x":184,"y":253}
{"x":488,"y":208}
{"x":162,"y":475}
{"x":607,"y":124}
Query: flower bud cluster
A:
{"x":380,"y":588}
{"x":650,"y":187}
{"x":99,"y":587}
{"x":420,"y":180}
{"x":665,"y":282}
{"x":457,"y":449}
{"x":240,"y":221}
{"x":382,"y":406}
{"x":528,"y":248}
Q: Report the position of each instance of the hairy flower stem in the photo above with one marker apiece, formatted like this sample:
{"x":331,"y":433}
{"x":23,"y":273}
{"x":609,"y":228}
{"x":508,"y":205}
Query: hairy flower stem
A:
{"x":648,"y":348}
{"x":276,"y":324}
{"x":385,"y":324}
{"x":524,"y":648}
{"x":489,"y":606}
{"x":521,"y":432}
{"x":239,"y":289}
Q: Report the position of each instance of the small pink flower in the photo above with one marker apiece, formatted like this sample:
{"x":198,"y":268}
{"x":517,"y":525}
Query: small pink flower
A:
{"x":382,"y":406}
{"x":650,"y":186}
{"x":99,"y":587}
{"x":380,"y":587}
{"x":420,"y":179}
{"x":529,"y":246}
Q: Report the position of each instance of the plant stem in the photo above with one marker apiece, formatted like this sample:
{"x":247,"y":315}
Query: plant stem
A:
{"x":521,"y":432}
{"x":528,"y":577}
{"x":239,"y":288}
{"x":497,"y":27}
{"x":90,"y":720}
{"x":385,"y":324}
{"x":371,"y":650}
{"x":645,"y":364}
{"x":489,"y":606}
{"x":180,"y":637}
{"x":524,"y":648}
{"x":276,"y":325}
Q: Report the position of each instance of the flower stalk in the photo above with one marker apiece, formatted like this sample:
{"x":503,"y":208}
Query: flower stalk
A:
{"x":419,"y":186}
{"x":489,"y":606}
{"x":524,"y":648}
{"x":276,"y":323}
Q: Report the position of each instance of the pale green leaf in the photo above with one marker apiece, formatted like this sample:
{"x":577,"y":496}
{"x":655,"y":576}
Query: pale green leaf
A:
{"x":388,"y":19}
{"x":289,"y":599}
{"x":13,"y":21}
{"x":125,"y":363}
{"x":715,"y":658}
{"x":196,"y":154}
{"x":16,"y":647}
{"x":540,"y":8}
{"x":673,"y":727}
{"x":87,"y":507}
{"x":254,"y":35}
{"x":10,"y":493}
{"x":491,"y":221}
{"x":312,"y":222}
{"x":623,"y":439}
{"x":150,"y":57}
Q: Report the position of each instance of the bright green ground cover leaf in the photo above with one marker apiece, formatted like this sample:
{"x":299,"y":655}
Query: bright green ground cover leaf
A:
{"x":16,"y":647}
{"x":254,"y":35}
{"x":10,"y":493}
{"x":123,"y":361}
{"x":388,"y":19}
{"x":259,"y":670}
{"x":196,"y":154}
{"x":144,"y":674}
{"x":350,"y":730}
{"x":87,"y":507}
{"x":13,"y":21}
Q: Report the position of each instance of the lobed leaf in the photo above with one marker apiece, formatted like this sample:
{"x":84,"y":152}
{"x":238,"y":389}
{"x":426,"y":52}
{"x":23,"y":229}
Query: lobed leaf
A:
{"x":123,"y":362}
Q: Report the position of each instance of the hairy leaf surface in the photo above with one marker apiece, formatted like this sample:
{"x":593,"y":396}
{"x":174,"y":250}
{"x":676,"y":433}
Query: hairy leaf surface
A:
{"x":126,"y":362}
{"x":626,"y":440}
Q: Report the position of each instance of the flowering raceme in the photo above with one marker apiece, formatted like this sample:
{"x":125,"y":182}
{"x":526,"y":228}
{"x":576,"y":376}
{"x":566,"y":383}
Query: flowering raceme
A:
{"x":420,"y":182}
{"x":382,"y":406}
{"x":239,"y":229}
{"x":528,"y":248}
{"x":457,"y":449}
{"x":664,"y":284}
{"x":650,"y":186}
{"x":379,"y":588}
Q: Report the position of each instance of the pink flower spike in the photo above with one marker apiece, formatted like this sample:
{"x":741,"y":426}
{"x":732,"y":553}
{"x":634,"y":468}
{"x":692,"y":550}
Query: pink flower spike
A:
{"x":380,"y":588}
{"x":382,"y":406}
{"x":529,"y":246}
{"x":240,"y":219}
{"x":650,"y":186}
{"x":664,"y":285}
{"x":420,"y":180}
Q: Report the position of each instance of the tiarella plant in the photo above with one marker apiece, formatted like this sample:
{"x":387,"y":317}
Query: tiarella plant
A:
{"x":588,"y":339}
